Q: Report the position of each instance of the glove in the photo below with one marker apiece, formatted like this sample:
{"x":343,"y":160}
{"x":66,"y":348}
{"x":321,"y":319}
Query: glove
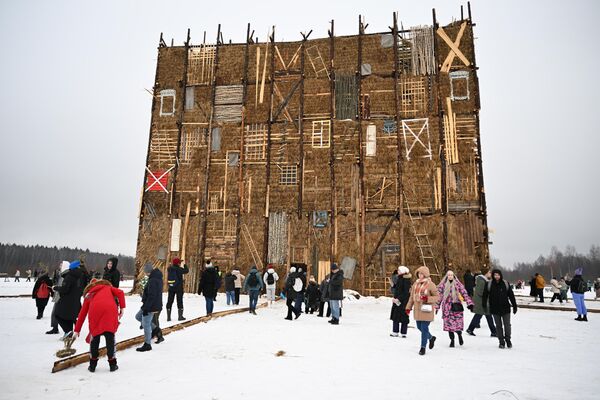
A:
{"x":75,"y":336}
{"x":407,"y":311}
{"x":514,"y":309}
{"x":424,"y":299}
{"x":470,"y":307}
{"x":121,"y":313}
{"x":145,"y":313}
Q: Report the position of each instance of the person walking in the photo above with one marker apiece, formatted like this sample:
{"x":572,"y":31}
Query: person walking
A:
{"x":578,"y":289}
{"x":597,"y":288}
{"x":42,"y":291}
{"x":336,"y":293}
{"x":299,"y":288}
{"x":313,"y":296}
{"x":564,"y":289}
{"x":111,"y":273}
{"x":175,"y":281}
{"x":423,"y":298}
{"x":270,"y":279}
{"x":56,"y":281}
{"x":208,"y":286}
{"x":253,"y":285}
{"x":532,"y":288}
{"x":479,"y":307}
{"x":103,"y":315}
{"x":501,"y":298}
{"x":69,"y":303}
{"x":17,"y":276}
{"x":151,"y":304}
{"x":230,"y":288}
{"x":450,"y":289}
{"x":401,"y":294}
{"x":239,"y":281}
{"x":290,"y":294}
{"x":469,"y":281}
{"x":555,"y":290}
{"x":324,"y":290}
{"x":540,"y":283}
{"x":28,"y":272}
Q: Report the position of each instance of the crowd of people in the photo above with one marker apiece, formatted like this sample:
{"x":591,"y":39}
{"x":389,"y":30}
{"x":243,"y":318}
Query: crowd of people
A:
{"x":485,"y":294}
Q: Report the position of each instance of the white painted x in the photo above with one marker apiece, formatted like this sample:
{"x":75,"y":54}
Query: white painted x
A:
{"x":157,"y":180}
{"x":417,"y":137}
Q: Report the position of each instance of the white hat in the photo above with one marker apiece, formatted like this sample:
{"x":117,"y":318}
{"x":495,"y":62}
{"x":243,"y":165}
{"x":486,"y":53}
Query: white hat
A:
{"x":64,"y":266}
{"x":403,"y":270}
{"x":293,"y":269}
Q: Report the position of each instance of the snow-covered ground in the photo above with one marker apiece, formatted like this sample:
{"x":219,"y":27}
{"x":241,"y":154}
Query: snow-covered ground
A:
{"x":548,"y":293}
{"x":234,"y":357}
{"x":12,"y":288}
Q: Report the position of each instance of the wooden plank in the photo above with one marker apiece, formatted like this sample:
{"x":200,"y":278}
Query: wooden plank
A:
{"x":453,"y":47}
{"x":450,"y":57}
{"x":77,"y":359}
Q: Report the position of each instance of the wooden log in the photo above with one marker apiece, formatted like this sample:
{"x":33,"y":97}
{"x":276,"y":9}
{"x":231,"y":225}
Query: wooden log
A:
{"x":332,"y":194}
{"x":61,"y":365}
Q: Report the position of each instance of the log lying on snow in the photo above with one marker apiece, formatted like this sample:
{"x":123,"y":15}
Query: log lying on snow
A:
{"x":77,"y":359}
{"x":557,"y":308}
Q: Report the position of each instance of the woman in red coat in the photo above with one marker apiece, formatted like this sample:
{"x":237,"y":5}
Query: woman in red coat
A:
{"x":104,"y":304}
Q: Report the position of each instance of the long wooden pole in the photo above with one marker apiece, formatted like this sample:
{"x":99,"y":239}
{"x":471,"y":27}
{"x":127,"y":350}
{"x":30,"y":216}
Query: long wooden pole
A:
{"x":332,"y":196}
{"x":361,"y":165}
{"x":301,"y":128}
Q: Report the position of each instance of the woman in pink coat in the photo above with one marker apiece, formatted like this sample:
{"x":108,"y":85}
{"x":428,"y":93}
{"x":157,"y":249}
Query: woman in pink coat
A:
{"x":450,"y":290}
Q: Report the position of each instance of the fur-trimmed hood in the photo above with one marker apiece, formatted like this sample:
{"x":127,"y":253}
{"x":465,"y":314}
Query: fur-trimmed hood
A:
{"x":423,"y":270}
{"x":94,"y":283}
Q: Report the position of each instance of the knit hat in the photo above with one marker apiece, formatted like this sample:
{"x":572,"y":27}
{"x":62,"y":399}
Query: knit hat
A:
{"x":64,"y":266}
{"x":176,"y":261}
{"x":293,"y":269}
{"x":334,"y":266}
{"x":579,"y":271}
{"x":402,"y":270}
{"x":148,"y":268}
{"x":75,"y":264}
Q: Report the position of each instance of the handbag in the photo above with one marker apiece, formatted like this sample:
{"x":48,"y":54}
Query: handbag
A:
{"x":426,"y":308}
{"x":456,"y":307}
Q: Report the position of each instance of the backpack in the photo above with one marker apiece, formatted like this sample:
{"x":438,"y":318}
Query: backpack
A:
{"x":43,"y":292}
{"x":252,"y":280}
{"x":270,"y":279}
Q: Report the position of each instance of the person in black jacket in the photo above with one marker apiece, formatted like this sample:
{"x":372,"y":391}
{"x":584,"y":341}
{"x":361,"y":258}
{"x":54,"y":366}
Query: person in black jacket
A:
{"x":69,"y":303}
{"x":230,"y":287}
{"x":111,"y":273}
{"x":401,"y":293}
{"x":209,"y":284}
{"x":324,"y":289}
{"x":42,"y":291}
{"x":175,"y":281}
{"x":290,"y":293}
{"x":501,"y":297}
{"x":469,"y":282}
{"x":578,"y":289}
{"x":151,"y":304}
{"x":336,"y":293}
{"x":313,"y":295}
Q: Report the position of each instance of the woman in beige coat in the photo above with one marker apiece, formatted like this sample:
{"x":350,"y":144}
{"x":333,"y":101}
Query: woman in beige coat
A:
{"x":423,"y":298}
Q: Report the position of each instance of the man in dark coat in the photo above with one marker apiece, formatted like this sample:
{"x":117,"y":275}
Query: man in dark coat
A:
{"x":336,"y":293}
{"x":111,"y":273}
{"x":401,"y":293}
{"x":290,"y":293}
{"x":69,"y":303}
{"x":230,"y":287}
{"x":469,"y":281}
{"x":151,"y":304}
{"x":175,"y":281}
{"x":501,"y":298}
{"x":209,"y":284}
{"x":324,"y":289}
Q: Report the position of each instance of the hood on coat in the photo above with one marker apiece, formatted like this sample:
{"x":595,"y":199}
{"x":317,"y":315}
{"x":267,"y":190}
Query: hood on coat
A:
{"x":423,"y":270}
{"x":271,"y":271}
{"x":155,"y":273}
{"x":497,"y":271}
{"x":579,"y":271}
{"x":114,"y":260}
{"x":235,"y":272}
{"x":94,"y":283}
{"x":253,"y":270}
{"x":407,"y":275}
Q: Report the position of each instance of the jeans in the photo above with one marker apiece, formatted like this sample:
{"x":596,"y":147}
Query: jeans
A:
{"x":271,"y":293}
{"x":335,"y":309}
{"x":503,"y":326}
{"x":423,"y":326}
{"x":210,"y":304}
{"x":253,"y":294}
{"x":146,"y":321}
{"x":230,"y":297}
{"x":475,"y":322}
{"x":110,"y":345}
{"x":578,"y":299}
{"x":298,"y":303}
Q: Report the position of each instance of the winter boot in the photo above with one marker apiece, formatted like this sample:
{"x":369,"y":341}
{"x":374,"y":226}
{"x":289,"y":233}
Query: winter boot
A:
{"x":159,"y":336}
{"x":422,"y":351}
{"x":471,"y":333}
{"x":145,"y":347}
{"x":168,"y":315}
{"x":584,"y":318}
{"x":52,"y":331}
{"x":180,"y":311}
{"x":112,"y":365}
{"x":502,"y":344}
{"x":394,"y":334}
{"x":432,"y":342}
{"x":335,"y":321}
{"x":578,"y":318}
{"x":451,"y":334}
{"x":460,"y":338}
{"x":508,"y":343}
{"x":93,"y":364}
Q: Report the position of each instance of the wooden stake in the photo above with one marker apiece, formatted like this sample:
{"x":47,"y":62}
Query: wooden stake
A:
{"x":257,"y":74}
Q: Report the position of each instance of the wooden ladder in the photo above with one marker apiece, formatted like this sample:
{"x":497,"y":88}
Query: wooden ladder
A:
{"x":423,"y":242}
{"x":314,"y":58}
{"x":253,"y":252}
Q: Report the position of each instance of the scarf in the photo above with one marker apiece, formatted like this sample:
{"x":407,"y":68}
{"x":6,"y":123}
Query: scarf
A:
{"x":449,"y":289}
{"x":420,"y":288}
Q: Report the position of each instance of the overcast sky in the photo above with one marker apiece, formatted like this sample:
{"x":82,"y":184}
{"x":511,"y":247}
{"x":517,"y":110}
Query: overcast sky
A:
{"x":75,"y":116}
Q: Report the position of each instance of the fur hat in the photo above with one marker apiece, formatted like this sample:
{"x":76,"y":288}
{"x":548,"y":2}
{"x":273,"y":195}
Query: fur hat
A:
{"x":402,"y":270}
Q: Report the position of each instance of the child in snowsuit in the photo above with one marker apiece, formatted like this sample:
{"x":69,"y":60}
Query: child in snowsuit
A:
{"x":103,"y":314}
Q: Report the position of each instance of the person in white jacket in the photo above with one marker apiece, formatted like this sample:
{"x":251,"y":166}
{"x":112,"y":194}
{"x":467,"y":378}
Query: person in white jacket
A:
{"x":239,"y":280}
{"x":270,"y":279}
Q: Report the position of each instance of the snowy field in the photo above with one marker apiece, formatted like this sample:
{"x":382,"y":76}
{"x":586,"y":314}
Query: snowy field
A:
{"x":234,"y":357}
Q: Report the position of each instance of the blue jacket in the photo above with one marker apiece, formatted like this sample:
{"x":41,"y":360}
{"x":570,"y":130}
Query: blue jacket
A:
{"x":152,"y":295}
{"x":259,"y":284}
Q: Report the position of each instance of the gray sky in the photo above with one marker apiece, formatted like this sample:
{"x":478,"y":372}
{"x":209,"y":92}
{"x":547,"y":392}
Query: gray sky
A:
{"x":75,"y":115}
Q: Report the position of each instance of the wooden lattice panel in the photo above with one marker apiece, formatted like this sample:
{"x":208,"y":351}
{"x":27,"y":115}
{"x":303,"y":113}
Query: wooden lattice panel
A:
{"x":255,"y":142}
{"x":163,"y":147}
{"x":413,"y":96}
{"x":201,"y":62}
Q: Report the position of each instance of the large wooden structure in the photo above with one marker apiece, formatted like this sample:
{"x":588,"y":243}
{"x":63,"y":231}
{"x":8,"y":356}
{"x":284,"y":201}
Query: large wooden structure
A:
{"x":364,"y":146}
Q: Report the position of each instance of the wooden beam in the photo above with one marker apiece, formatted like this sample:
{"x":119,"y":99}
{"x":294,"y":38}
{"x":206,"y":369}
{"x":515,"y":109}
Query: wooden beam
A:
{"x":361,"y":165}
{"x":301,"y":129}
{"x":453,"y":46}
{"x":332,"y":195}
{"x":382,"y":237}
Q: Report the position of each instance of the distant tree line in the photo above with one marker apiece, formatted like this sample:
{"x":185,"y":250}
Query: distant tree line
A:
{"x":15,"y":256}
{"x":557,"y":264}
